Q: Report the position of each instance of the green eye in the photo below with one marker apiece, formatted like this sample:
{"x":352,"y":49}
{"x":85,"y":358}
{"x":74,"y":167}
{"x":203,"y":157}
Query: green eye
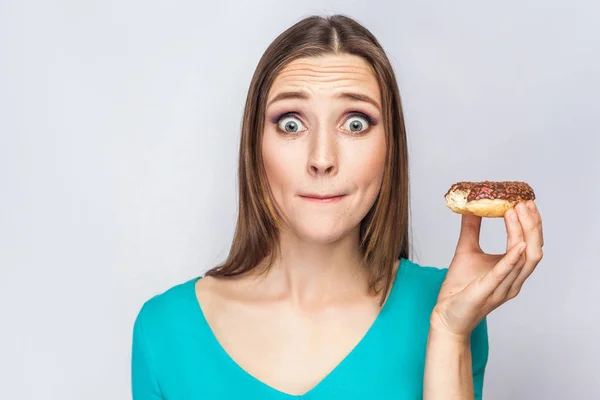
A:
{"x":291,"y":125}
{"x":356,"y":124}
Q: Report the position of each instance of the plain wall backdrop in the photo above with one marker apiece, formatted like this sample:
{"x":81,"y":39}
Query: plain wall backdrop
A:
{"x":119,"y":131}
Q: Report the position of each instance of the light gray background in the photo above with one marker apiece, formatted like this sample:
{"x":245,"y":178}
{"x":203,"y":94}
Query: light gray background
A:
{"x":119,"y":125}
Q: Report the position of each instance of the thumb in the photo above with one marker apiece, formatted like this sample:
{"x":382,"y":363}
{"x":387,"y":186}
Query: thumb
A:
{"x":470,"y":230}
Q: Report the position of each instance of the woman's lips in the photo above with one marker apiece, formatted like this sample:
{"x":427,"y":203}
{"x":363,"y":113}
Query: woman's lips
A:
{"x":332,"y":199}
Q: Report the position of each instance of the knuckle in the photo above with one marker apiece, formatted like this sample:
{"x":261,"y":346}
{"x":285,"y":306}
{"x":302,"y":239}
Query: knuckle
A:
{"x":530,"y":226}
{"x":536,"y":254}
{"x":498,"y":298}
{"x":514,"y":293}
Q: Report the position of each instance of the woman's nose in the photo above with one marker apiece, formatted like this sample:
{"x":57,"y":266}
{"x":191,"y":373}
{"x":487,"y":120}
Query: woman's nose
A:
{"x":323,"y":157}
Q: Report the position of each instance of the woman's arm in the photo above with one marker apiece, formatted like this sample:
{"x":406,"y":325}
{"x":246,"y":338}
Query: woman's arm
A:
{"x":476,"y":284}
{"x":448,"y":361}
{"x":448,"y":367}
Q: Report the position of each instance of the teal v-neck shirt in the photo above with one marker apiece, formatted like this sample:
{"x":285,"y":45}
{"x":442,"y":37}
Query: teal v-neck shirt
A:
{"x":175,"y":355}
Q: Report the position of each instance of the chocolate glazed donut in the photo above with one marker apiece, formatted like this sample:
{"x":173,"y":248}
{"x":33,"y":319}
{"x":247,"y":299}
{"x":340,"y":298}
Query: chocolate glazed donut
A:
{"x":487,"y":198}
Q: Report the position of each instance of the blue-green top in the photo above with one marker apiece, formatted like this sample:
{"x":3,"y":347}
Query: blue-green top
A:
{"x":175,"y":355}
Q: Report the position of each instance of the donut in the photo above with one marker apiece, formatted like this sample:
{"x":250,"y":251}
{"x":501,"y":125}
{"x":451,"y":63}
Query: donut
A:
{"x":487,"y":198}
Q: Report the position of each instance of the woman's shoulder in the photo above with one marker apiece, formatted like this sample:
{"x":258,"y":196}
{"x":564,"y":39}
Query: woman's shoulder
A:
{"x":168,"y":306}
{"x":417,"y":285}
{"x":420,"y":274}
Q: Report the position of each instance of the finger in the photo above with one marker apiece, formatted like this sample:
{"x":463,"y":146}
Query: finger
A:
{"x":490,"y":282}
{"x":532,"y":232}
{"x":505,"y":291}
{"x":532,"y":228}
{"x":469,"y":233}
{"x":531,"y":223}
{"x":525,"y":273}
{"x":528,"y":268}
{"x":513,"y":228}
{"x":533,"y":209}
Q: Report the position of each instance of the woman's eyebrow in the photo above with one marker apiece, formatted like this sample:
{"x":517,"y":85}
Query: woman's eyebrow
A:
{"x":343,"y":95}
{"x":289,"y":95}
{"x":359,"y":97}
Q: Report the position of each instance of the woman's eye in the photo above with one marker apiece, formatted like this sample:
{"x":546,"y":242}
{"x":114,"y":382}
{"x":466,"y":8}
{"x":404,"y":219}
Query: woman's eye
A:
{"x":356,"y":124}
{"x":291,"y":125}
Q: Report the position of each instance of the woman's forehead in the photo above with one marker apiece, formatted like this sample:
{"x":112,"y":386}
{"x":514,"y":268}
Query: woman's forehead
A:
{"x":329,"y":72}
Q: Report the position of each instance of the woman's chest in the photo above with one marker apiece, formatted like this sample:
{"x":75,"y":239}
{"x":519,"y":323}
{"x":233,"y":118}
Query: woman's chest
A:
{"x":387,"y":362}
{"x":290,"y":350}
{"x":377,"y":377}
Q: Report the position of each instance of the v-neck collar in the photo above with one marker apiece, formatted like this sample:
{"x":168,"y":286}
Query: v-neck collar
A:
{"x":327,"y":378}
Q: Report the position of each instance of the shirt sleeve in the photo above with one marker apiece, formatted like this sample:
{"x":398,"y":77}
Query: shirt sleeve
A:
{"x":479,"y":356}
{"x":144,"y":381}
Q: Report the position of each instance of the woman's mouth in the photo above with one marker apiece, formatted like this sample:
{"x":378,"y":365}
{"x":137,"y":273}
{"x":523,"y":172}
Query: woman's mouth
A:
{"x":322,"y":198}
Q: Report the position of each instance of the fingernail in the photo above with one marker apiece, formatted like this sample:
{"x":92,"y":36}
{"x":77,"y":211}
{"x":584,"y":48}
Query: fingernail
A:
{"x":513,"y":216}
{"x":531,"y":206}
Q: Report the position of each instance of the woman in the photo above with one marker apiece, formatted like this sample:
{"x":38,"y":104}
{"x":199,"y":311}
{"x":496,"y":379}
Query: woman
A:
{"x":318,"y":298}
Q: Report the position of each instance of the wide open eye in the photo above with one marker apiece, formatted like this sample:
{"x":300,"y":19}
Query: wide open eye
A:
{"x":356,"y":124}
{"x":291,"y":124}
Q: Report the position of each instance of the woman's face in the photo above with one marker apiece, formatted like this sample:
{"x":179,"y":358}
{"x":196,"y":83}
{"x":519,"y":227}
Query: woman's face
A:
{"x":324,"y":137}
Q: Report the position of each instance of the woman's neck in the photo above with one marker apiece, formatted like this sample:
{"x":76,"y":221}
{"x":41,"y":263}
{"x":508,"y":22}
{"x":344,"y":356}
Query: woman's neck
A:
{"x":308,"y":273}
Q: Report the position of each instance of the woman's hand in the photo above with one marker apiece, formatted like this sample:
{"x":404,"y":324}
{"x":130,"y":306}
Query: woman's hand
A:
{"x":477,"y":283}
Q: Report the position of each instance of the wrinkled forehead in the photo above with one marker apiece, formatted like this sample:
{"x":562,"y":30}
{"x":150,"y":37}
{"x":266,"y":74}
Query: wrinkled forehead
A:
{"x":331,"y":73}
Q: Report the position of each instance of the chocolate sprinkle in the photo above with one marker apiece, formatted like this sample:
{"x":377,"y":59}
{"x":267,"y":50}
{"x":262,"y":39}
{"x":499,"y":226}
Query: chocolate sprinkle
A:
{"x":505,"y":190}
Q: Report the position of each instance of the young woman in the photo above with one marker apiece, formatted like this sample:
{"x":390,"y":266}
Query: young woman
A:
{"x":318,"y":298}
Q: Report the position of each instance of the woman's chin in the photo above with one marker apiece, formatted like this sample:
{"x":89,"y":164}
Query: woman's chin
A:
{"x":321,"y":233}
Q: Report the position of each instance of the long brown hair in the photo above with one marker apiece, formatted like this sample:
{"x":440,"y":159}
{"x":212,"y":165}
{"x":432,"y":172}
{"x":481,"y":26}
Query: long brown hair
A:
{"x":384,"y":230}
